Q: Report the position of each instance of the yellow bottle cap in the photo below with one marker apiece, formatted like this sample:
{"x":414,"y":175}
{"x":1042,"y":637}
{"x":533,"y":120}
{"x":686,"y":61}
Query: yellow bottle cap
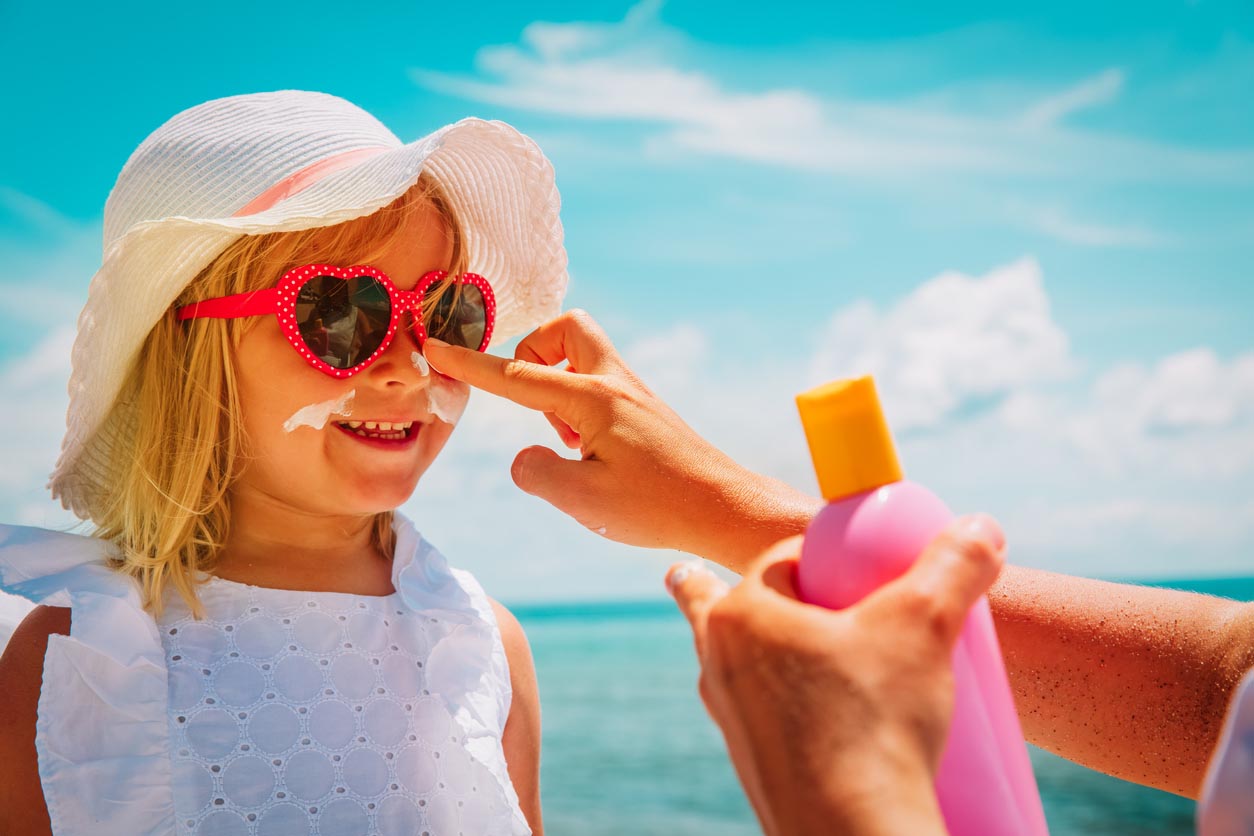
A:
{"x":849,"y":439}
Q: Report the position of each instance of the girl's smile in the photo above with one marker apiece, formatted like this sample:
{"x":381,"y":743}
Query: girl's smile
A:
{"x":380,"y":430}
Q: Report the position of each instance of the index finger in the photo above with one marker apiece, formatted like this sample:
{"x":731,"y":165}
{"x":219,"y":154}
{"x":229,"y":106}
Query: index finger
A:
{"x":696,"y":590}
{"x":532,"y":385}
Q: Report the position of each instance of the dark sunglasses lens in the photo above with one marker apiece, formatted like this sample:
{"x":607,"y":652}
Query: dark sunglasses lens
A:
{"x":343,"y":321}
{"x":459,"y":316}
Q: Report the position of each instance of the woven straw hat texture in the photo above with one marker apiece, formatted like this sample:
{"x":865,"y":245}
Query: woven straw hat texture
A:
{"x":177,"y":205}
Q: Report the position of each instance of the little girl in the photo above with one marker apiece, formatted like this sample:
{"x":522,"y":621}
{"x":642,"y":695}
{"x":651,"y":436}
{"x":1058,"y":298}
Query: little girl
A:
{"x":254,"y":641}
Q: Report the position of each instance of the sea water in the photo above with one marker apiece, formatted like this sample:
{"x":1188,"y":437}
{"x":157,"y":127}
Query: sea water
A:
{"x":629,"y":749}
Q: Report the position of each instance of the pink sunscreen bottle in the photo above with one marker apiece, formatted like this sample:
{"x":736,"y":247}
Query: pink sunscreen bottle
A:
{"x":874,"y":526}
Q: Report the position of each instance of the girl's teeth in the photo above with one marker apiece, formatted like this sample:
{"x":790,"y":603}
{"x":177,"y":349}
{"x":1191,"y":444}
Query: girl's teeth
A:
{"x":393,"y":431}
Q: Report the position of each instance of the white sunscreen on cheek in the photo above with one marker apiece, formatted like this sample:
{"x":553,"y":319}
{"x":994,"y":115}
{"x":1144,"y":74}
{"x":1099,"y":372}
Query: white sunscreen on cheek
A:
{"x":420,"y":363}
{"x":446,"y":398}
{"x":316,"y":415}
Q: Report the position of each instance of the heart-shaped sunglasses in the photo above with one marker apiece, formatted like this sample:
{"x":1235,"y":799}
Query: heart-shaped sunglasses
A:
{"x":341,"y":319}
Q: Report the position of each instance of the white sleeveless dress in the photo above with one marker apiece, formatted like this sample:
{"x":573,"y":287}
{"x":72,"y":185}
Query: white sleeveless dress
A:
{"x":1226,"y":806}
{"x":280,"y":712}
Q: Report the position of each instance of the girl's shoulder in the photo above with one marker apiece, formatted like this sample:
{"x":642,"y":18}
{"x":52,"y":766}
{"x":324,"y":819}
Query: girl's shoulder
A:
{"x":21,"y":671}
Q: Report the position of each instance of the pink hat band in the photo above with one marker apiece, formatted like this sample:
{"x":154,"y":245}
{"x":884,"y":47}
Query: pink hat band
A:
{"x":306,"y":177}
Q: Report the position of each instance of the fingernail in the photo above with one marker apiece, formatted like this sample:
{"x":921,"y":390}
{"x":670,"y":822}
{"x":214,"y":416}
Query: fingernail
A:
{"x":680,"y":573}
{"x":434,"y":341}
{"x":986,"y":528}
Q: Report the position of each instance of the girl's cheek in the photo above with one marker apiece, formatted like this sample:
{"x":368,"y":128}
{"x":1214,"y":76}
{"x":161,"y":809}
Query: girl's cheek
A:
{"x":447,"y":398}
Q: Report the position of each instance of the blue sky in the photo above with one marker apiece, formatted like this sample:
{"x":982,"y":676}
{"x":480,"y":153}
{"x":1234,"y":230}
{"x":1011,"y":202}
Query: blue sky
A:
{"x":1036,"y":227}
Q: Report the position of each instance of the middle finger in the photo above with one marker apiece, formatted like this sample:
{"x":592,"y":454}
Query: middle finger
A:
{"x":575,"y":337}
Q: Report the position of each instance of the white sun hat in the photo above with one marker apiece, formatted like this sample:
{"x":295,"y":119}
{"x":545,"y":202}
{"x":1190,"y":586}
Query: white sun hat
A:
{"x":277,"y":162}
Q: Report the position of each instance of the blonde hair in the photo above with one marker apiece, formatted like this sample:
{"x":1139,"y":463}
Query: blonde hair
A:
{"x":169,"y":510}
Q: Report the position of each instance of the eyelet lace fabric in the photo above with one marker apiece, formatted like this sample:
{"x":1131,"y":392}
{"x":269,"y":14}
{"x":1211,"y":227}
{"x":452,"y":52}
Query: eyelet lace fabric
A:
{"x":311,"y":713}
{"x":280,"y":712}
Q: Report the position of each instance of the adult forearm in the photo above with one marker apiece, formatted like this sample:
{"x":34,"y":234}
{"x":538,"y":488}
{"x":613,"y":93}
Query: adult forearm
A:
{"x":743,"y":513}
{"x":1132,"y":681}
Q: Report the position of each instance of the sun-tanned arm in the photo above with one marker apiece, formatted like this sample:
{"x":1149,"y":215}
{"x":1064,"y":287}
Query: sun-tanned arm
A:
{"x":21,"y":674}
{"x":521,"y":740}
{"x":1132,"y":681}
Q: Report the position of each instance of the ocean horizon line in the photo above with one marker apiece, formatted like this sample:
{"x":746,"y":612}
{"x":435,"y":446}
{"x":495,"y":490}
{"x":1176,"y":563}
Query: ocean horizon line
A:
{"x":1236,"y":587}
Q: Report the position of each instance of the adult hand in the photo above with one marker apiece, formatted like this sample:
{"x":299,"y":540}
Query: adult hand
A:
{"x":644,"y":476}
{"x":836,"y":720}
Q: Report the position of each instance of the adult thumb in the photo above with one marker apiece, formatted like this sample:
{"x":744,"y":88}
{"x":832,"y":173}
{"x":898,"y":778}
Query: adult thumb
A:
{"x":956,"y":568}
{"x":541,"y":472}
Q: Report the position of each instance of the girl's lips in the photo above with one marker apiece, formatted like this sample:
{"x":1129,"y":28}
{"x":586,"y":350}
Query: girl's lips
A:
{"x":393,"y":444}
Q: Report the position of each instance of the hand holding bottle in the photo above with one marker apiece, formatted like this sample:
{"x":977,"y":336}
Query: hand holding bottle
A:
{"x":870,"y":532}
{"x":836,"y":719}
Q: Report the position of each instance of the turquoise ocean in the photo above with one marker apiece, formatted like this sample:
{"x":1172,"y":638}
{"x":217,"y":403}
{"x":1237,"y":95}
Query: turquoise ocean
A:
{"x":629,"y":749}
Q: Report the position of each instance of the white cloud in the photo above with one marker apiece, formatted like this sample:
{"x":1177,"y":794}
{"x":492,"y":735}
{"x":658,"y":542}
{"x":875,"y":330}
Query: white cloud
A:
{"x":1057,"y":223}
{"x":1092,"y":92}
{"x":955,"y":342}
{"x":634,"y":71}
{"x":45,"y":269}
{"x":1190,"y":416}
{"x":1192,"y":390}
{"x":670,"y":362}
{"x":1134,"y":537}
{"x":34,"y":387}
{"x":45,"y":276}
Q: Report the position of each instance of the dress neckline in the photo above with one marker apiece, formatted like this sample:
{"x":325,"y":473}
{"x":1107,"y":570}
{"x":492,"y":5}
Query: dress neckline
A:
{"x":215,"y":580}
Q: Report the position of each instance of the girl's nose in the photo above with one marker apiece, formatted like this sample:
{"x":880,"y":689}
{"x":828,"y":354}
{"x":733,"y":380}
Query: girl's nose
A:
{"x":402,"y":364}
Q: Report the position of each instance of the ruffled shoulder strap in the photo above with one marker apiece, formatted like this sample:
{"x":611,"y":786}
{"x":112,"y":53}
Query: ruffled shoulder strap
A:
{"x":468,"y":667}
{"x":101,"y":730}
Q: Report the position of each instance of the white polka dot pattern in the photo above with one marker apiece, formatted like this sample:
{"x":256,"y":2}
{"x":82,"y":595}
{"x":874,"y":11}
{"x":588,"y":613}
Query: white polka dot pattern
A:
{"x":311,"y":713}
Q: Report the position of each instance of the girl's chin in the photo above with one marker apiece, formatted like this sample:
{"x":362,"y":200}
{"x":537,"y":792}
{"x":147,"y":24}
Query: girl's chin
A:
{"x":370,"y":492}
{"x":378,"y":501}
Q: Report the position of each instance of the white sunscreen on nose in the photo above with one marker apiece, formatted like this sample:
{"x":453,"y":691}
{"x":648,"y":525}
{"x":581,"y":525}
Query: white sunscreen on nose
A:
{"x":420,"y":363}
{"x":316,"y":415}
{"x":446,"y":398}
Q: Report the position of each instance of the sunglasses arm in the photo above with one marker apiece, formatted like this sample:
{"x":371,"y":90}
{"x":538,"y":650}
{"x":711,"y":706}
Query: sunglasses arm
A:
{"x":254,"y":303}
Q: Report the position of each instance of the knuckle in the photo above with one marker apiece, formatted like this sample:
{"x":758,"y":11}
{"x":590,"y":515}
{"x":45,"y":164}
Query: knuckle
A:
{"x":918,"y":606}
{"x":937,"y":623}
{"x":578,"y":316}
{"x":725,"y":621}
{"x":516,"y":370}
{"x":705,"y":687}
{"x":977,"y":553}
{"x":607,"y":389}
{"x":930,"y":614}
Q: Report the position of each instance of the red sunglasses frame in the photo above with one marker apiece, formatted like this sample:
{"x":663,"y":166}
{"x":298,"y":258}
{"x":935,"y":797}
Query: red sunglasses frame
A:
{"x":280,"y":301}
